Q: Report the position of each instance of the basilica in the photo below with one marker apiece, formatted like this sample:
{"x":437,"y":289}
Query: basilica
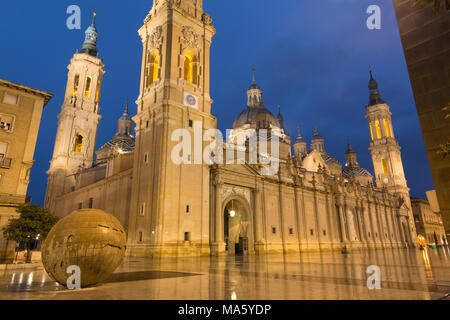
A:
{"x":312,"y":202}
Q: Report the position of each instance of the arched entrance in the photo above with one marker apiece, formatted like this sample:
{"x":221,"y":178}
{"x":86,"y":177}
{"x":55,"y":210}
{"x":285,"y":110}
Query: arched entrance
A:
{"x":237,"y":231}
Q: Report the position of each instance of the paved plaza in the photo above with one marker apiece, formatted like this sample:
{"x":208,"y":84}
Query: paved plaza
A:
{"x":405,"y":274}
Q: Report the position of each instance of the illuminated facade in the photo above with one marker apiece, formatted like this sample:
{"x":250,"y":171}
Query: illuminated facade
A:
{"x":311,"y":203}
{"x":20,"y":116}
{"x":78,"y":120}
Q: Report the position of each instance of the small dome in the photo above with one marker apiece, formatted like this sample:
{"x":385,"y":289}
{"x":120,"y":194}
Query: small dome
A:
{"x":248,"y":116}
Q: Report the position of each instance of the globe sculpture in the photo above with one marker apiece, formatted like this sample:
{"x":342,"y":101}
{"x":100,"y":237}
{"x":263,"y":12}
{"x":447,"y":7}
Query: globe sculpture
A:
{"x":90,"y":239}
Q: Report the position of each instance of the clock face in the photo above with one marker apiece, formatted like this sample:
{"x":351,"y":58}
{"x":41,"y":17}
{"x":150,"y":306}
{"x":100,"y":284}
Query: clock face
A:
{"x":190,"y":99}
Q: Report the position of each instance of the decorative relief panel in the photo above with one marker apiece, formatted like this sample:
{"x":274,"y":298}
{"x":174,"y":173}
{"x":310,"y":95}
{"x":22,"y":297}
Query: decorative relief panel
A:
{"x":190,"y":37}
{"x":228,"y":191}
{"x":155,"y":38}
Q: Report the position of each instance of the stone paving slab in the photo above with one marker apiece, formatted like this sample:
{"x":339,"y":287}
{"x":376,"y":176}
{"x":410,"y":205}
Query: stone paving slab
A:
{"x":405,"y":275}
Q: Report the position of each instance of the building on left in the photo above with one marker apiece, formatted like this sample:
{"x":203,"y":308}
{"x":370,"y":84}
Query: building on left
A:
{"x":20,"y":116}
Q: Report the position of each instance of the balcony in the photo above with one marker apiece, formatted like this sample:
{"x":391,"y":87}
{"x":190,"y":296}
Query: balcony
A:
{"x":5,"y":163}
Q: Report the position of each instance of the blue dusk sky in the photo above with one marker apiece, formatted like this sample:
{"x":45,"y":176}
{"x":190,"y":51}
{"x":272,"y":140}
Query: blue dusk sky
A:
{"x":311,"y":57}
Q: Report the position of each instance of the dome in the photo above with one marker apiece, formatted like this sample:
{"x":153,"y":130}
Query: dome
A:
{"x":256,"y":110}
{"x":248,"y":116}
{"x":125,"y":144}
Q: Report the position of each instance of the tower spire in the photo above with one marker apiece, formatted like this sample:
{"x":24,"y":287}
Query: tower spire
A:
{"x":299,"y":135}
{"x":254,"y":77}
{"x":349,"y":146}
{"x":375,"y":96}
{"x":90,"y":41}
{"x":125,"y":116}
{"x":316,"y":130}
{"x":280,"y":117}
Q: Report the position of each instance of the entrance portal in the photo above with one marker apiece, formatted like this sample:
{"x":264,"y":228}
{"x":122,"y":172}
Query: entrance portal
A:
{"x":236,"y":225}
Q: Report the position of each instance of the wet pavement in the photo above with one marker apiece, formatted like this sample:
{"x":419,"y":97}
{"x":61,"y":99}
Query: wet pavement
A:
{"x":405,"y":274}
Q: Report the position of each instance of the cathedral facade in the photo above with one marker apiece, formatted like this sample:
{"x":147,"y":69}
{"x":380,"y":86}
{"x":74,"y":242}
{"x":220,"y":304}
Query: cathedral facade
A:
{"x":198,"y":208}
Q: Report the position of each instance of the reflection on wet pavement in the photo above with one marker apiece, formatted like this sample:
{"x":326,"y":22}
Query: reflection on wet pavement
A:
{"x":405,"y":274}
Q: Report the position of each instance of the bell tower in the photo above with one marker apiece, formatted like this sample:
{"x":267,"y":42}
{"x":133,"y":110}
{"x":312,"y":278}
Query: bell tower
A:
{"x":384,"y":148}
{"x":387,"y":160}
{"x":170,"y":201}
{"x":78,"y":120}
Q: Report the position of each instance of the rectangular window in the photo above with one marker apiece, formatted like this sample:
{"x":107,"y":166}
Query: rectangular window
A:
{"x":76,"y":82}
{"x":3,"y":149}
{"x":87,"y":90}
{"x":390,"y":128}
{"x":187,"y":236}
{"x":6,"y":122}
{"x":80,"y":206}
{"x":91,"y":203}
{"x":10,"y":98}
{"x":97,"y":92}
{"x":324,"y":233}
{"x":142,"y":210}
{"x":146,"y":157}
{"x":378,"y":129}
{"x":371,"y":131}
{"x":386,"y":129}
{"x":385,"y":167}
{"x":274,"y":230}
{"x":311,"y":232}
{"x":188,"y":209}
{"x":147,"y":124}
{"x":191,"y":123}
{"x":141,"y":236}
{"x":291,"y":231}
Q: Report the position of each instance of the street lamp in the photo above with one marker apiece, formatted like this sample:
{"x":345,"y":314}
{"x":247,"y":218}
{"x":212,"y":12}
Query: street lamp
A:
{"x":232,"y":212}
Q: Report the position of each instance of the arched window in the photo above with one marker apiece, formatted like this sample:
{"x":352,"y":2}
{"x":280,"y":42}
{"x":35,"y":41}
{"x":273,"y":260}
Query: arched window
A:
{"x":378,"y":128}
{"x":371,"y":131}
{"x":79,"y":143}
{"x":153,"y":68}
{"x":385,"y":167}
{"x":386,"y":129}
{"x":76,"y":82}
{"x":87,"y":91}
{"x":190,"y":69}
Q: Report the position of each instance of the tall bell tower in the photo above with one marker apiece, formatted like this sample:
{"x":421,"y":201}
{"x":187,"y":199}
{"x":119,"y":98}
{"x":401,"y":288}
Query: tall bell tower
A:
{"x":387,"y":160}
{"x":170,"y":202}
{"x":384,"y":148}
{"x":78,"y":120}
